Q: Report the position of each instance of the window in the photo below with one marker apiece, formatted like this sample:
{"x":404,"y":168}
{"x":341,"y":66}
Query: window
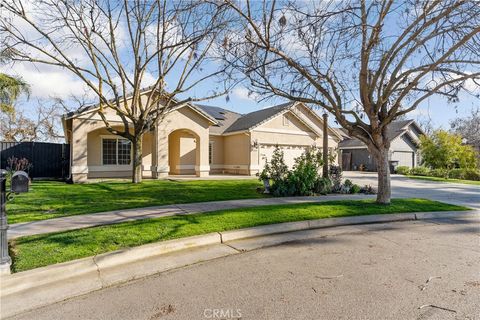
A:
{"x":116,"y":151}
{"x":285,"y":120}
{"x":210,"y":152}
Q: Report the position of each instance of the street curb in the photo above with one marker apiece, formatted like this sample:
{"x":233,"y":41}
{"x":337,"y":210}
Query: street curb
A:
{"x":46,"y":285}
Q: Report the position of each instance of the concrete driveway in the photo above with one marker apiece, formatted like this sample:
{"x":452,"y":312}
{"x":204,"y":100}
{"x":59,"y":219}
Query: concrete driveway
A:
{"x":403,"y":187}
{"x":403,"y":270}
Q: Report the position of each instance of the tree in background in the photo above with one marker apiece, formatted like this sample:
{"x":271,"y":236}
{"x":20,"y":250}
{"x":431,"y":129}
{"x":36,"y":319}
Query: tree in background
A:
{"x":117,"y":48}
{"x":366,"y":62}
{"x":468,"y":127}
{"x":43,"y":125}
{"x":444,"y":150}
{"x":11,"y":88}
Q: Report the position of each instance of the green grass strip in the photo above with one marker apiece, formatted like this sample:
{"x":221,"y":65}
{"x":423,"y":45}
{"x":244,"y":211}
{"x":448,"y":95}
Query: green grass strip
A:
{"x":53,"y":199}
{"x":42,"y":250}
{"x":471,"y":182}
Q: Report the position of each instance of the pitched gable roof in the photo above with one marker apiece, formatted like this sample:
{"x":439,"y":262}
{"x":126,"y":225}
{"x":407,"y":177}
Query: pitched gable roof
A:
{"x":252,"y":119}
{"x":394,"y":130}
{"x":225,"y":118}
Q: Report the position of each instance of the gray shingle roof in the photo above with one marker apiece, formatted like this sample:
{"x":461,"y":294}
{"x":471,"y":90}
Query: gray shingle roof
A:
{"x":395,"y":129}
{"x":252,"y":119}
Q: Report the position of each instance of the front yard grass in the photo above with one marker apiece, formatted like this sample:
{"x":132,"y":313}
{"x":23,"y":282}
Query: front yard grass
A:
{"x":52,"y":199}
{"x":41,"y":250}
{"x":472,"y":182}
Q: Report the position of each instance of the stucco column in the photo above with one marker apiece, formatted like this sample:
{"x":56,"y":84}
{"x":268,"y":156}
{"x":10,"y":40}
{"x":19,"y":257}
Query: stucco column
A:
{"x":202,"y":167}
{"x":160,"y":168}
{"x":254,"y":166}
{"x":79,"y":152}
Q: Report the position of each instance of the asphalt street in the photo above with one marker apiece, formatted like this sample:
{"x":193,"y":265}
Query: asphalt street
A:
{"x":403,"y":270}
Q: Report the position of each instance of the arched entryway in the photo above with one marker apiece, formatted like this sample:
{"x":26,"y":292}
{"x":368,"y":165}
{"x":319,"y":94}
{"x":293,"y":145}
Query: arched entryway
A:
{"x":183,"y":152}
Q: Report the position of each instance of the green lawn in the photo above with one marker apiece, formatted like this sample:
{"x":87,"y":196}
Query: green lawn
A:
{"x":41,"y":250}
{"x":51,"y":199}
{"x":445,"y":180}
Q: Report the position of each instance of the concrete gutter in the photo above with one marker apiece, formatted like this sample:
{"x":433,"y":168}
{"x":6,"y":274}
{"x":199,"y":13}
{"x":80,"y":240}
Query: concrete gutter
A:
{"x":42,"y":286}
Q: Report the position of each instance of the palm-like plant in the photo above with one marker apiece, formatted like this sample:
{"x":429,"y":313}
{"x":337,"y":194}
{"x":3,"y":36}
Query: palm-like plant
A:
{"x":10,"y":89}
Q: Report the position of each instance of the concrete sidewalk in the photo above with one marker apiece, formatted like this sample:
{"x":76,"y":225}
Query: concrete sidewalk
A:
{"x":118,"y":216}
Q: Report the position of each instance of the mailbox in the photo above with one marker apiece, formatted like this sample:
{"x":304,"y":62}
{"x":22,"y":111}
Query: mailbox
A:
{"x":20,"y":182}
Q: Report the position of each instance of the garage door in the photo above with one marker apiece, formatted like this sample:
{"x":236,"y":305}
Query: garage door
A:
{"x":404,"y":158}
{"x":289,"y":154}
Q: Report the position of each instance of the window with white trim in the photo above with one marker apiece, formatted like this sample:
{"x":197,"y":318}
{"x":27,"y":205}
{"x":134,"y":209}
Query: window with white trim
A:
{"x":116,"y":151}
{"x":285,"y":121}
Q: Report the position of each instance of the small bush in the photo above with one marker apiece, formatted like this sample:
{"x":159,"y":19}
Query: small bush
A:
{"x":323,"y":186}
{"x":464,"y":174}
{"x":355,"y":189}
{"x":368,"y":189}
{"x":439,"y":173}
{"x":420,"y":171}
{"x":456,"y":174}
{"x":472,"y":174}
{"x":336,"y":176}
{"x":403,"y":170}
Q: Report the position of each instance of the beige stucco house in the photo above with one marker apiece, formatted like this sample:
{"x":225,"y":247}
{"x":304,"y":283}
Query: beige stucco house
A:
{"x":194,"y":140}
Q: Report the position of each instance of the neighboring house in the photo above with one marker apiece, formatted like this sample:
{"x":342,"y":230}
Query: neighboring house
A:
{"x":194,"y":139}
{"x":404,"y":136}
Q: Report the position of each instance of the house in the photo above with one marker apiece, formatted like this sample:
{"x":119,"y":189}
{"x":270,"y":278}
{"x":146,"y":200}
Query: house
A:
{"x":194,"y":140}
{"x":404,"y":136}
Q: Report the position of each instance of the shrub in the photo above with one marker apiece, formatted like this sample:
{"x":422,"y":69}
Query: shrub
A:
{"x":336,"y":176}
{"x":403,"y":170}
{"x":368,"y":189}
{"x":323,"y":186}
{"x":464,"y":174}
{"x":355,"y":188}
{"x":439,"y":173}
{"x":278,"y":168}
{"x":18,"y":164}
{"x":456,"y":174}
{"x":472,"y":174}
{"x":420,"y":171}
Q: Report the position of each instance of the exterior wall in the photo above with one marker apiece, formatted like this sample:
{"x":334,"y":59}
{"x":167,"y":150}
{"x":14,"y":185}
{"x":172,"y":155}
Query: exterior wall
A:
{"x":182,"y":152}
{"x":180,"y":144}
{"x":218,"y":163}
{"x":293,"y":137}
{"x":96,"y":169}
{"x":404,"y":151}
{"x":401,"y":149}
{"x":182,"y":119}
{"x":236,"y":153}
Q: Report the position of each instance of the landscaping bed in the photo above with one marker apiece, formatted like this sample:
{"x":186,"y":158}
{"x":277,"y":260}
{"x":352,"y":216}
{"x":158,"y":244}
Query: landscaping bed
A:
{"x":42,"y":250}
{"x":52,"y":199}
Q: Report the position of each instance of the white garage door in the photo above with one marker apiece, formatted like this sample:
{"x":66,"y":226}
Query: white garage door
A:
{"x":289,"y":154}
{"x":404,"y":158}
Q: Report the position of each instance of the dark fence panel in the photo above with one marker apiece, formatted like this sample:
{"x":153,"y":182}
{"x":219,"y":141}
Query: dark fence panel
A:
{"x":49,"y":160}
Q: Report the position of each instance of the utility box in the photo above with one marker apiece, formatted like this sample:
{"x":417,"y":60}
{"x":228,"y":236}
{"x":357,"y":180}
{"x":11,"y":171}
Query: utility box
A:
{"x":20,"y":182}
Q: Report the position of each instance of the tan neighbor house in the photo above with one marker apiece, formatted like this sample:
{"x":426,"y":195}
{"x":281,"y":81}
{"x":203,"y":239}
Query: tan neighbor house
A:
{"x":194,"y":140}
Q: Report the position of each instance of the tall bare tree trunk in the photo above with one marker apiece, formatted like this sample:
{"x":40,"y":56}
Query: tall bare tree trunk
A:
{"x":383,"y":171}
{"x":137,"y":159}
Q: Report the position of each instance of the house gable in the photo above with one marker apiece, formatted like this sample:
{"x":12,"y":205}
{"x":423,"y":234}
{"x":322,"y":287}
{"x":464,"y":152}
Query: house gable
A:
{"x":288,"y":123}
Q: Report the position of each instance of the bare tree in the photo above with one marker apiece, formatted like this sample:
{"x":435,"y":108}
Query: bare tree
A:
{"x":366,"y":62}
{"x":115,"y":47}
{"x":43,"y":123}
{"x":468,"y":127}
